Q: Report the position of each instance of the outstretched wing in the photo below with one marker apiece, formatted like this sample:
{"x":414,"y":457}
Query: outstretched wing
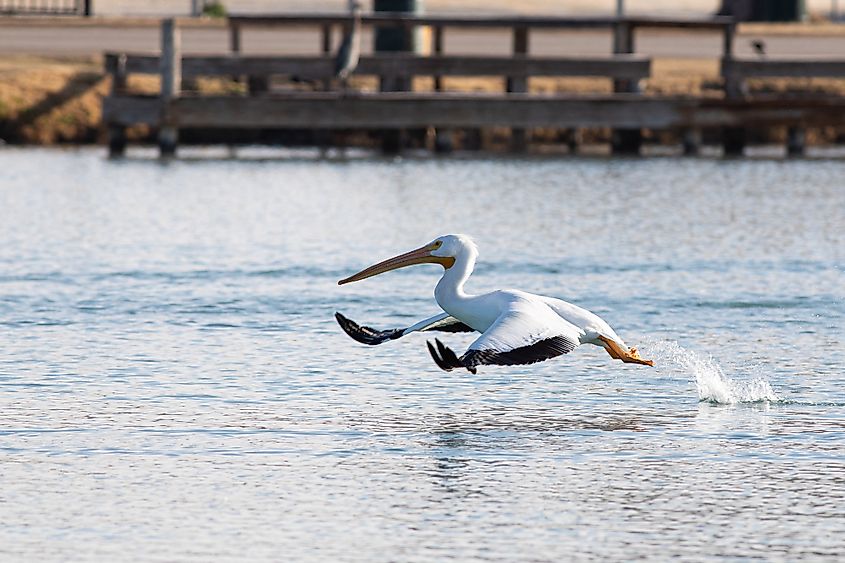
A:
{"x":367,"y":335}
{"x":526,"y":332}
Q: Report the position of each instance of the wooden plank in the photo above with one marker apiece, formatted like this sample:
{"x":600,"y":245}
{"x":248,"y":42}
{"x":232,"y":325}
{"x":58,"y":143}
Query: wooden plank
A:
{"x":769,"y":111}
{"x":330,"y":110}
{"x":404,"y":111}
{"x":403,"y":65}
{"x":398,"y":18}
{"x":708,"y":24}
{"x":496,"y":21}
{"x":131,"y":110}
{"x":784,"y":68}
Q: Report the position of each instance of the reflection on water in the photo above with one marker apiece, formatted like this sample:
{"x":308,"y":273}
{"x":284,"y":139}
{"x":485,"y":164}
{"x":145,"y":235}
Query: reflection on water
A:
{"x":174,"y":386}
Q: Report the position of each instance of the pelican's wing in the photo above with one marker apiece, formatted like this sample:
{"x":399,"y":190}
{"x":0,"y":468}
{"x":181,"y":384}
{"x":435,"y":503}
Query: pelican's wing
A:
{"x":367,"y":335}
{"x":528,"y":331}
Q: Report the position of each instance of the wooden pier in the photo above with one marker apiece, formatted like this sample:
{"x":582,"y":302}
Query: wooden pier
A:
{"x":627,"y":111}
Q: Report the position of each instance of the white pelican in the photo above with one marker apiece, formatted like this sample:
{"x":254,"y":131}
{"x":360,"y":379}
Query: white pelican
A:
{"x":516,"y":327}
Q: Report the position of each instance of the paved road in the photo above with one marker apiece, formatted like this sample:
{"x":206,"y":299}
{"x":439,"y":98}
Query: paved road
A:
{"x":82,"y":40}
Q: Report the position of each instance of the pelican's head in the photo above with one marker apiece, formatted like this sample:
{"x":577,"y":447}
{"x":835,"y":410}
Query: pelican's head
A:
{"x":443,"y":250}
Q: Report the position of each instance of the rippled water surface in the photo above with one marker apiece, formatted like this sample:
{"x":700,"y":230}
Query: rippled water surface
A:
{"x":173,"y":386}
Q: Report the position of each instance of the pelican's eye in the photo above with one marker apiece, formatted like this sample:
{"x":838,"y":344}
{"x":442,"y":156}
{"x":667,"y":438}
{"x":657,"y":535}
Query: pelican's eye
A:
{"x":438,"y":244}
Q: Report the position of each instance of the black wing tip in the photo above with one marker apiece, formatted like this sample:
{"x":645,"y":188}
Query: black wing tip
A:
{"x":349,"y":326}
{"x":365,"y":334}
{"x":445,"y":357}
{"x":435,"y":356}
{"x":346,"y":324}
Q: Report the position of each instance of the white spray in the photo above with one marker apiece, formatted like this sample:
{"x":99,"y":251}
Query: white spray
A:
{"x":711,"y":382}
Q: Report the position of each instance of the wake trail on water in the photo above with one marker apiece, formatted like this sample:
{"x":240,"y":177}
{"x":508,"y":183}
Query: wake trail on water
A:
{"x":710,"y":380}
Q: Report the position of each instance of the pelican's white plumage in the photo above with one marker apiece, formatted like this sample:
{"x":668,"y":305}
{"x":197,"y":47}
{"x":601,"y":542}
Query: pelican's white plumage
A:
{"x":516,"y":327}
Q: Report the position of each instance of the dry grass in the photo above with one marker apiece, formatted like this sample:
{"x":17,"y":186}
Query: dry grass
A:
{"x":52,"y":100}
{"x":46,"y":101}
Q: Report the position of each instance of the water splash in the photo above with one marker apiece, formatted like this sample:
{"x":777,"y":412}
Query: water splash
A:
{"x":710,"y":380}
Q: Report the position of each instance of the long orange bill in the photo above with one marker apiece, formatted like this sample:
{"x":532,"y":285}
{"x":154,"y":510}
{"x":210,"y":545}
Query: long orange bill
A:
{"x":419,"y":256}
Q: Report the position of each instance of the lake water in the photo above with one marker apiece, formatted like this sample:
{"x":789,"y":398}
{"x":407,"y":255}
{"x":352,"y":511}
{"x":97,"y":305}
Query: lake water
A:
{"x":173,"y":386}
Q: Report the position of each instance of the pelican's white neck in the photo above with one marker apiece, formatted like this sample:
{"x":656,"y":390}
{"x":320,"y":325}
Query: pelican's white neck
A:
{"x":450,"y":288}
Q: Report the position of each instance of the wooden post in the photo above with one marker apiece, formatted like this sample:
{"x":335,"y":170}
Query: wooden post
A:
{"x":796,"y":138}
{"x":326,"y":50}
{"x":519,"y":84}
{"x":733,"y":85}
{"x":691,"y":141}
{"x":171,"y":79}
{"x":235,"y":38}
{"x":472,"y":139}
{"x":625,"y":141}
{"x":258,"y":84}
{"x":733,"y":138}
{"x":443,"y":141}
{"x":254,"y":84}
{"x":443,"y":138}
{"x":235,"y":44}
{"x":322,"y":137}
{"x":437,"y":51}
{"x":733,"y":141}
{"x":392,"y":140}
{"x":573,"y":138}
{"x":391,"y":39}
{"x":116,"y":132}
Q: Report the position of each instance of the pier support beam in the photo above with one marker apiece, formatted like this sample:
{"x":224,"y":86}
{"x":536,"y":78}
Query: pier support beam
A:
{"x":733,"y":138}
{"x":326,"y":50}
{"x":733,"y":141}
{"x":472,"y":139}
{"x":625,"y":141}
{"x":171,"y":80}
{"x":796,"y":141}
{"x":437,"y":51}
{"x":443,"y":143}
{"x":691,"y":141}
{"x":117,"y":133}
{"x":573,"y":138}
{"x":391,"y":39}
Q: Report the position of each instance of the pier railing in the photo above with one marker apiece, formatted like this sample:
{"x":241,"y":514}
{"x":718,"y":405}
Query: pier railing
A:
{"x":626,"y":111}
{"x":623,"y":67}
